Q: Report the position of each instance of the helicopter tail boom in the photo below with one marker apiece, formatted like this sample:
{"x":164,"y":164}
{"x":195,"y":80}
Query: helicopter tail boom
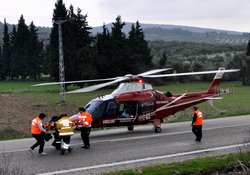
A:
{"x":214,"y":87}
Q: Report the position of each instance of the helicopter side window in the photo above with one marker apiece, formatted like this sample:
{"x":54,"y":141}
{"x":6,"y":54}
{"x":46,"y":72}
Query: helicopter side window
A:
{"x":121,"y":109}
{"x":146,"y":107}
{"x":111,"y":109}
{"x":128,"y":110}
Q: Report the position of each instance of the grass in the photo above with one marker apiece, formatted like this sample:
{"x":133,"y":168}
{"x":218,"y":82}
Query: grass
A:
{"x":205,"y":165}
{"x":236,"y":103}
{"x":24,"y":86}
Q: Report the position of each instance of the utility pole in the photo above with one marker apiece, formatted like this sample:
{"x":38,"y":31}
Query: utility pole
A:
{"x":61,"y":61}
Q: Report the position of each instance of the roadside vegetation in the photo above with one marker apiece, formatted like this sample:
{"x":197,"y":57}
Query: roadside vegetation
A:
{"x":228,"y":164}
{"x":8,"y":166}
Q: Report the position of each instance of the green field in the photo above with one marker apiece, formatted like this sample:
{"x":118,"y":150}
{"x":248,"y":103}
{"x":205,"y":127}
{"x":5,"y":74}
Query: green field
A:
{"x":236,"y":103}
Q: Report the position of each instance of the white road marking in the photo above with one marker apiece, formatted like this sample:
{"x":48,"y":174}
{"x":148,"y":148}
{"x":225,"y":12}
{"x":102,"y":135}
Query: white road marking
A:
{"x":145,"y":159}
{"x":135,"y":138}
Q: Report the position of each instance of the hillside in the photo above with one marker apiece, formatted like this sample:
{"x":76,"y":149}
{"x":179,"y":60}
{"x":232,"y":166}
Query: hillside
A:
{"x":185,"y":34}
{"x":166,"y":33}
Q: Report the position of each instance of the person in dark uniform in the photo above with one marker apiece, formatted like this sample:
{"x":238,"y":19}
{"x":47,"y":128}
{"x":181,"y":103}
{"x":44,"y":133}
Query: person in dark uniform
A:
{"x":197,"y":123}
{"x":57,"y":140}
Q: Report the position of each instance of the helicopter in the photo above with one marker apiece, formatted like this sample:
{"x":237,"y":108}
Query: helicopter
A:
{"x":135,"y":102}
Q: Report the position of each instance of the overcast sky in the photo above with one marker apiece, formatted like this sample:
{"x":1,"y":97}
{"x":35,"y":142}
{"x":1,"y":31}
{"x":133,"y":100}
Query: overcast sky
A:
{"x":218,"y":14}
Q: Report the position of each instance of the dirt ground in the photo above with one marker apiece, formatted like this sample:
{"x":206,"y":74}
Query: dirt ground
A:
{"x":17,"y":111}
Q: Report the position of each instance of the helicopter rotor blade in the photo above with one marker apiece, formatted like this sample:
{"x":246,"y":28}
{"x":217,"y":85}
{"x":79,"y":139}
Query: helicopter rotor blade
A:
{"x":153,"y":71}
{"x":105,"y":79}
{"x":191,"y":73}
{"x":95,"y":87}
{"x":71,"y":82}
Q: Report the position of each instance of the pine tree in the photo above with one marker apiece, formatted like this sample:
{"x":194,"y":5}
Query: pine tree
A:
{"x":35,"y":60}
{"x":77,"y":45}
{"x":139,"y":50}
{"x":12,"y":72}
{"x":248,"y":49}
{"x":5,"y":61}
{"x":118,"y":54}
{"x":79,"y":52}
{"x":20,"y":53}
{"x":60,"y":13}
{"x":103,"y":52}
{"x":246,"y":67}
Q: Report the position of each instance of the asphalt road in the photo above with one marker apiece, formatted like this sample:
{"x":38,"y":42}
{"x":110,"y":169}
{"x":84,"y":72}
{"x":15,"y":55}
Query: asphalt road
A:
{"x":116,"y":149}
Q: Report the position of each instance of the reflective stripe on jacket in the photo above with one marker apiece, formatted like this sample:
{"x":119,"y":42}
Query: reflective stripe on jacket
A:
{"x":199,"y":118}
{"x":65,"y":126}
{"x":86,"y":119}
{"x":34,"y":126}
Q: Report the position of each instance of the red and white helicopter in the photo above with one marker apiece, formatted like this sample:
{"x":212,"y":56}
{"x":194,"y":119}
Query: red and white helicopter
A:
{"x":135,"y":102}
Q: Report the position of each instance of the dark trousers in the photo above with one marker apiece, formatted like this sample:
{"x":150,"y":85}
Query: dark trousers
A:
{"x":65,"y":145}
{"x":85,"y":131}
{"x":66,"y":139}
{"x":197,"y":130}
{"x":39,"y":141}
{"x":57,"y":142}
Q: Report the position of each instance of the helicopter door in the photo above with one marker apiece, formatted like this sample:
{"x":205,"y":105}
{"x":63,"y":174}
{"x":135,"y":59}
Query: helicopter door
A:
{"x":127,"y":112}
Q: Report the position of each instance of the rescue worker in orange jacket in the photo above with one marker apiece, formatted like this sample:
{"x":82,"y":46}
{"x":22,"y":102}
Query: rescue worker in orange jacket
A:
{"x":86,"y":120}
{"x":65,"y":129}
{"x":38,"y":133}
{"x":197,"y":124}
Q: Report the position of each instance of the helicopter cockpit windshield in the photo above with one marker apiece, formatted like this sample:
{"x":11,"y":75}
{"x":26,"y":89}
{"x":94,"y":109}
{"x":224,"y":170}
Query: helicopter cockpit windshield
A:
{"x":95,"y":108}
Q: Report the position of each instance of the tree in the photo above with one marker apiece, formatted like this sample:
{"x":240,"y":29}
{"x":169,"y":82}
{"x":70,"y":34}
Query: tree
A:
{"x":60,"y":13}
{"x":103,"y":48}
{"x":238,"y":62}
{"x":20,"y":54}
{"x":163,"y":60}
{"x":248,"y":49}
{"x":77,"y":44}
{"x":12,"y":72}
{"x":36,"y":55}
{"x":5,"y":61}
{"x":139,"y":51}
{"x":246,"y":71}
{"x":118,"y":54}
{"x":246,"y":67}
{"x":79,"y":49}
